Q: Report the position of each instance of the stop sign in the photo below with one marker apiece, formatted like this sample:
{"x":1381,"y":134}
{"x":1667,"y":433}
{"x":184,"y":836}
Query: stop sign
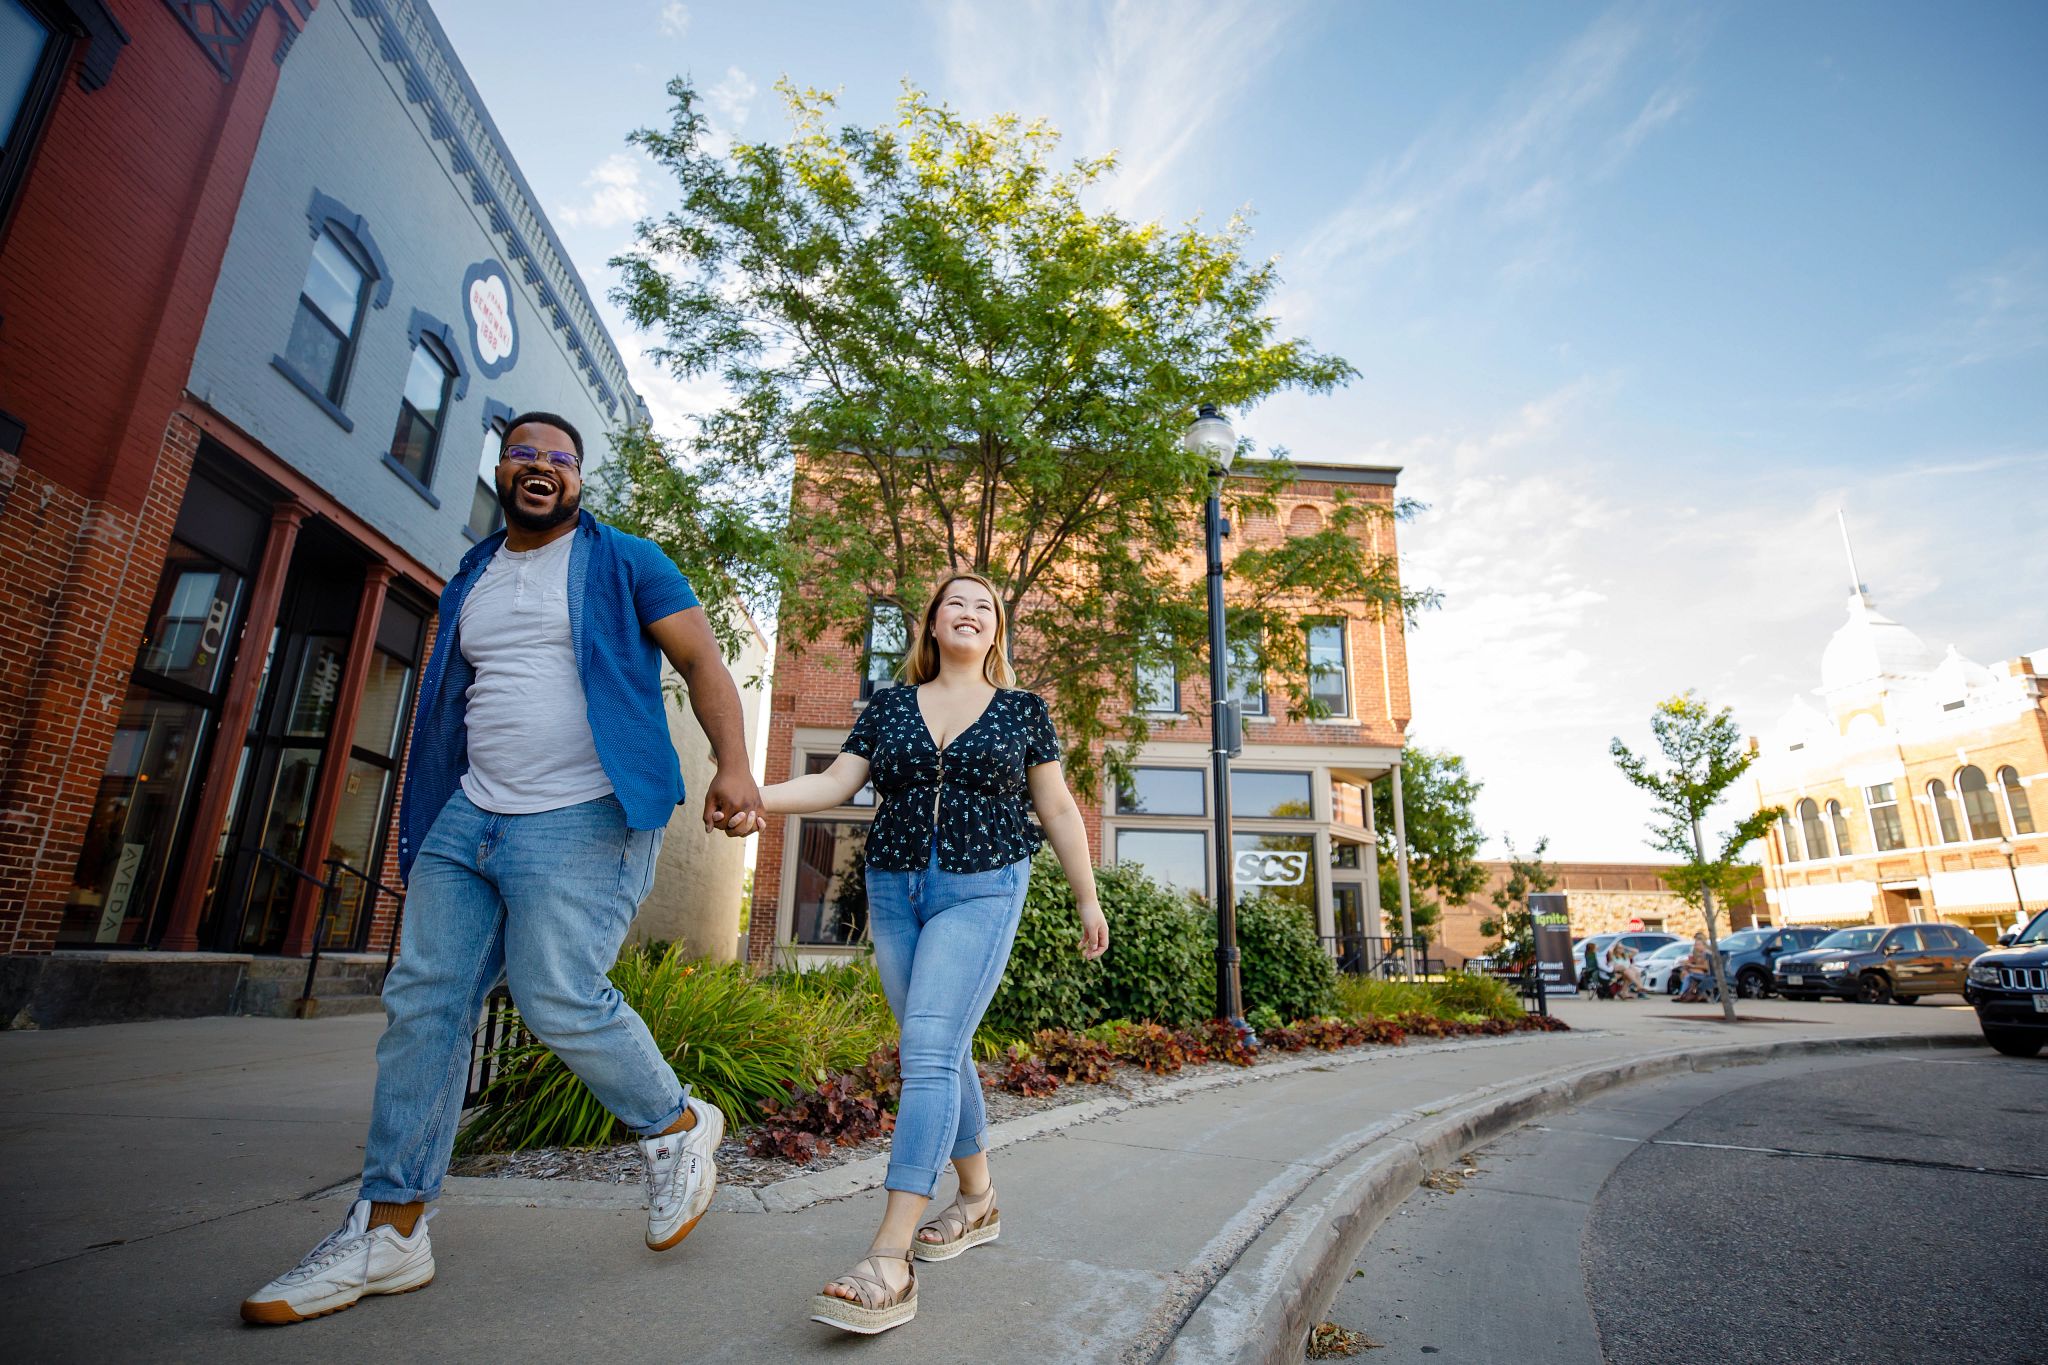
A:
{"x":1635,"y":926}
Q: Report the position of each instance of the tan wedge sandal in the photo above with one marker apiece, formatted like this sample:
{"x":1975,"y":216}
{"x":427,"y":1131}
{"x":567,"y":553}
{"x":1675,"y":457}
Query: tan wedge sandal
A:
{"x":880,"y":1307}
{"x":958,"y":1229}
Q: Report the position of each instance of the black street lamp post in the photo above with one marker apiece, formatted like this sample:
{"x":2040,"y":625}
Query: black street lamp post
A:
{"x":1211,"y":437}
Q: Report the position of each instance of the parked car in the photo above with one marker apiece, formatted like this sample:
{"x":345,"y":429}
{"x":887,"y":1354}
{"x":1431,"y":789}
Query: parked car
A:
{"x":1877,"y":963}
{"x":2008,"y":986}
{"x":1748,"y":956}
{"x":1664,"y":968}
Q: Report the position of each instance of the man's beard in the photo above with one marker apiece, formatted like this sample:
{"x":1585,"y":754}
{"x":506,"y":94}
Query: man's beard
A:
{"x":567,"y":505}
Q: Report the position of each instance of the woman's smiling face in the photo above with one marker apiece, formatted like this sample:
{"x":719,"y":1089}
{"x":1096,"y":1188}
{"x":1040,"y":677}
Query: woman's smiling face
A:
{"x":964,"y":621}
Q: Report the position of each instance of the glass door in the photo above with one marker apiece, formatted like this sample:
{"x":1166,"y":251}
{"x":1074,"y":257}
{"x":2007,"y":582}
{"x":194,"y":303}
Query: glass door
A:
{"x":249,"y":908}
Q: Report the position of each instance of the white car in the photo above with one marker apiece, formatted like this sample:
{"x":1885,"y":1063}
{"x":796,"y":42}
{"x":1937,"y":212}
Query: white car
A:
{"x":1664,"y":968}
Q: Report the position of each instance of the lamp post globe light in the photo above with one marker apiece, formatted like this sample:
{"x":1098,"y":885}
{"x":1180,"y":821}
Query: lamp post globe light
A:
{"x":1211,"y":437}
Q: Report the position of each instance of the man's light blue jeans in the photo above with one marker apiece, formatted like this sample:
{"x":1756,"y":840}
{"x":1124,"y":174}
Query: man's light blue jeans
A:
{"x":542,"y":901}
{"x":941,"y":941}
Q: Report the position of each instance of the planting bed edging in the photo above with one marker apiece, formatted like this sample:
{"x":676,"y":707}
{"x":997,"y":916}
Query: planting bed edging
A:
{"x":867,"y":1173}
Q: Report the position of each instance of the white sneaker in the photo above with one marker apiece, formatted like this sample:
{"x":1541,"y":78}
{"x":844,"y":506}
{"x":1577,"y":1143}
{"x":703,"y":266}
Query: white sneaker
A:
{"x":681,"y":1176}
{"x":353,"y":1260}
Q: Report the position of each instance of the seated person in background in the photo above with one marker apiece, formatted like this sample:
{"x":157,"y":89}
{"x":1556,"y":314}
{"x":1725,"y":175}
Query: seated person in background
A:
{"x":1699,"y":971}
{"x":1628,"y":978}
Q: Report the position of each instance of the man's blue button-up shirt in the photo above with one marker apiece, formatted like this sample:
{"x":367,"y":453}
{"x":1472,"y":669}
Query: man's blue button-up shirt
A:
{"x":618,"y":585}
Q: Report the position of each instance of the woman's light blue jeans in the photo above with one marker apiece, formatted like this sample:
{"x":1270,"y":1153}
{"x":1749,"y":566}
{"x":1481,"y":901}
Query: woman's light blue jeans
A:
{"x":542,"y":901}
{"x":941,"y":941}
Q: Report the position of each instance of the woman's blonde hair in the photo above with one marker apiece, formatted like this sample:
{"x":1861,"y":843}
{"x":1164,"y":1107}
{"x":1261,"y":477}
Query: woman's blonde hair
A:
{"x":922,"y":663}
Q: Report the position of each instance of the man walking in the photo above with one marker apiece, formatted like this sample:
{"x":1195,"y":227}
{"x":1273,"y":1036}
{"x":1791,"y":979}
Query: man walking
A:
{"x":539,"y":783}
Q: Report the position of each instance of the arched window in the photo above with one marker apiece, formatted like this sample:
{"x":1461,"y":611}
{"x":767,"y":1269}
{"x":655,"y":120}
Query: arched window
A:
{"x":1841,"y":825}
{"x":2016,"y":801}
{"x":1810,"y":827}
{"x":1978,"y":804}
{"x":435,"y":378}
{"x":1944,"y":811}
{"x":1791,"y":839}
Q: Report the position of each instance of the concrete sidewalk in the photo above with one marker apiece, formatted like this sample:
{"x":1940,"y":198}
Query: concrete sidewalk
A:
{"x":158,"y":1172}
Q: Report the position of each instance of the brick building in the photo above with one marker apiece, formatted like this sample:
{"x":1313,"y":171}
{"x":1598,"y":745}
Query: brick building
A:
{"x":1601,"y":898}
{"x":271,"y":285}
{"x":1299,"y":789}
{"x":1914,"y":791}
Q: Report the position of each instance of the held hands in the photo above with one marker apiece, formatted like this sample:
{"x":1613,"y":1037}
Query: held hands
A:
{"x":1094,"y":932}
{"x":733,"y":804}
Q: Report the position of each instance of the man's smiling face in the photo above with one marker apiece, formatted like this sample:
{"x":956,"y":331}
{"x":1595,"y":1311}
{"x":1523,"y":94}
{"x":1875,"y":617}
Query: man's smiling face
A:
{"x":539,"y":495}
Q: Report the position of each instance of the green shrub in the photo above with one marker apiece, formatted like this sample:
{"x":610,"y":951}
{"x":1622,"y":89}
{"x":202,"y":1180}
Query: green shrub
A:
{"x":1283,"y":966}
{"x":731,"y":1041}
{"x":1046,"y":978}
{"x":1371,"y":997}
{"x":1160,"y":965}
{"x":1470,"y":993}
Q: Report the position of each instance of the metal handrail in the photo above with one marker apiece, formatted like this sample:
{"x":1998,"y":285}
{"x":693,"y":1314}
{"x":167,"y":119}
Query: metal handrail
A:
{"x":397,"y":918}
{"x":319,"y":924}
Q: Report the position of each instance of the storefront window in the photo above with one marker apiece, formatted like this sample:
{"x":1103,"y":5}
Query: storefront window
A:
{"x":319,"y":686}
{"x":1278,"y":866}
{"x":1164,"y":791}
{"x":187,"y":639}
{"x":364,"y":793}
{"x":1256,"y":795}
{"x":1178,"y":858}
{"x":134,"y":839}
{"x":128,"y":844}
{"x":380,"y":719}
{"x":831,"y":903}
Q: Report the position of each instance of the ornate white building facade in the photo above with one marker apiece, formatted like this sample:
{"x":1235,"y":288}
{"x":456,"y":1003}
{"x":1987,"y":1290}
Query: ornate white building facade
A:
{"x":1916,"y":790}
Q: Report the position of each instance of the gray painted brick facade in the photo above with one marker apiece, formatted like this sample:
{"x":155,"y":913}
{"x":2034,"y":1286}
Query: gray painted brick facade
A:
{"x":342,"y":126}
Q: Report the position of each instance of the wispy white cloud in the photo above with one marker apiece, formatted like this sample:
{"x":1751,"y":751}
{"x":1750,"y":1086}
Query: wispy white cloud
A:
{"x":732,"y":99}
{"x":1582,"y":584}
{"x":617,"y":194}
{"x":1146,"y":79}
{"x":1568,"y":121}
{"x":1995,"y":314}
{"x":675,"y":18}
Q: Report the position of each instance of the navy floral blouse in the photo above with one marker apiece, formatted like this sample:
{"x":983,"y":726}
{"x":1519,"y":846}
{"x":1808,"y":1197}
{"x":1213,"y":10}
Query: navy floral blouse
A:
{"x":976,"y":785}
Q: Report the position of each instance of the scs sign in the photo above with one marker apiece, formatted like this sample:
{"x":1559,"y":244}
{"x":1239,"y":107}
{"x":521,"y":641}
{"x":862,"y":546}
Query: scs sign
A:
{"x":1264,"y":868}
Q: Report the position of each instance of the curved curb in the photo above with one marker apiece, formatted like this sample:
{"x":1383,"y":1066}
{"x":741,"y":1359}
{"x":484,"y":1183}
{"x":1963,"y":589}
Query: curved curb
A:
{"x":849,"y":1178}
{"x":1262,"y":1306}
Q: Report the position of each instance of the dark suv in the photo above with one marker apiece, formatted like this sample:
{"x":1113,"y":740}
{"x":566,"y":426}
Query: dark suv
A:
{"x":1877,"y":963}
{"x":2009,"y":987}
{"x":1747,"y":957}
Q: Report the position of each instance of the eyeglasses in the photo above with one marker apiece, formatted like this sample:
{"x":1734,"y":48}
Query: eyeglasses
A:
{"x":561,"y":459}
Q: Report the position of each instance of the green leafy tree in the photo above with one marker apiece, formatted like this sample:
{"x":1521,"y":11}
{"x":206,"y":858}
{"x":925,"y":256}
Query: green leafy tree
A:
{"x":1703,"y":756}
{"x":981,"y":373}
{"x":1513,"y":931}
{"x":1437,"y":792}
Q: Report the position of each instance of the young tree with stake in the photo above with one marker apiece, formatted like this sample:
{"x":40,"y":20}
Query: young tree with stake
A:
{"x":1703,"y":757}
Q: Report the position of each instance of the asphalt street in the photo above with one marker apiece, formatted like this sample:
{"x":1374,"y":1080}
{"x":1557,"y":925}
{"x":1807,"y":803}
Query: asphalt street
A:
{"x":1812,"y":1210}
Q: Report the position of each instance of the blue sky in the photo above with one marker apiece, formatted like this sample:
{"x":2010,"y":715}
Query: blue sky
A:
{"x":1640,"y":295}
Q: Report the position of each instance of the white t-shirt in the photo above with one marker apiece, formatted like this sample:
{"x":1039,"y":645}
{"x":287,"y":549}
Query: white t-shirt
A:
{"x":530,"y":746}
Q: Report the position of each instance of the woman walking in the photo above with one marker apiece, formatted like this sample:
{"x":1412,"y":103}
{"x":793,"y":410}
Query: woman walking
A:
{"x":954,"y":758}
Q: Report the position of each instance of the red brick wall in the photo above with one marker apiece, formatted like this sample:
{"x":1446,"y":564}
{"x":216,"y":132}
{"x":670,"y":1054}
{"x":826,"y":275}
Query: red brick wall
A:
{"x":105,"y":276}
{"x":76,"y":588}
{"x":820,"y":688}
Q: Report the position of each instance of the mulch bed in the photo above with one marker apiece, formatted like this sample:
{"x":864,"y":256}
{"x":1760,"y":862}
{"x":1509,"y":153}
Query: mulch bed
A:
{"x":620,"y":1164}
